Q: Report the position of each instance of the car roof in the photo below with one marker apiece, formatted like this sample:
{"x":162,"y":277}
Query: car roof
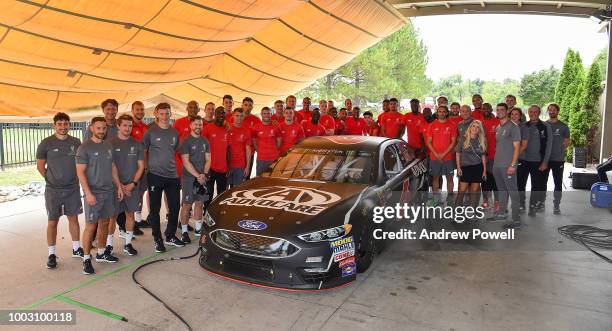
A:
{"x":344,"y":143}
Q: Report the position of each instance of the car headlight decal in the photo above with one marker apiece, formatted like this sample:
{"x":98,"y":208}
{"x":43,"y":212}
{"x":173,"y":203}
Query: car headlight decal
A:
{"x":327,"y":234}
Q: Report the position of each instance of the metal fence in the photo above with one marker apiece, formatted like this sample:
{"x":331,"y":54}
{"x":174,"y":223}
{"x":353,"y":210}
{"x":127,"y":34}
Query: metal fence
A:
{"x":18,"y":141}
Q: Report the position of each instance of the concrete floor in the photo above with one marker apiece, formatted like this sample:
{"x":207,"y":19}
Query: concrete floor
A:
{"x":541,"y":281}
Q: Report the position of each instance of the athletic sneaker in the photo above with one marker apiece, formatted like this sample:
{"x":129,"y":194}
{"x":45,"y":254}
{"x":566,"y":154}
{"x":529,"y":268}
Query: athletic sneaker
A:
{"x":185,"y":238}
{"x":501,"y":217}
{"x":532,"y":211}
{"x":88,"y":268}
{"x":197,"y":233}
{"x":159,"y":246}
{"x":496,"y":207}
{"x":556,"y":210}
{"x":143,"y":224}
{"x":51,"y":261}
{"x":189,"y":228}
{"x":122,"y":234}
{"x":512,"y":225}
{"x":109,"y":249}
{"x":522,"y":209}
{"x":540,"y":207}
{"x":137,"y":231}
{"x":129,"y":250}
{"x":174,"y":241}
{"x":78,"y":253}
{"x":106,"y":257}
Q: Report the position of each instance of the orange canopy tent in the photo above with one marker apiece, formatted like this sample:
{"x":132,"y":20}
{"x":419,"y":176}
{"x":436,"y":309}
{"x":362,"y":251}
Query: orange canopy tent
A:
{"x":66,"y":55}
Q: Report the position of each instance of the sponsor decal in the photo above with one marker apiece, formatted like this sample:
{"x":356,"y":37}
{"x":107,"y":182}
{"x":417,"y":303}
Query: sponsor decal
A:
{"x":252,"y":225}
{"x":301,"y":200}
{"x":349,"y":269}
{"x":345,"y":262}
{"x":342,"y":248}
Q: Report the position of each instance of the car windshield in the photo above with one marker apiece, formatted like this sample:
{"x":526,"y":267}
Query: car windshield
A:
{"x":325,"y":165}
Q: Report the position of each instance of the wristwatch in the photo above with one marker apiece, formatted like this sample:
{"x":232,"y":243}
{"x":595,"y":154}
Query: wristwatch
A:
{"x":514,"y":165}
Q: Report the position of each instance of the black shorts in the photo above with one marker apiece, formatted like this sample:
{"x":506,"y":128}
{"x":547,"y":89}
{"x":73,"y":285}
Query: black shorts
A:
{"x":471,"y":174}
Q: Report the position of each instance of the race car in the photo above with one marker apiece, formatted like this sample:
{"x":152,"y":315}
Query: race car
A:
{"x":306,"y":223}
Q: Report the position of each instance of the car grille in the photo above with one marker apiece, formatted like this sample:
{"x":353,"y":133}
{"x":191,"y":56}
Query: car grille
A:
{"x":252,"y":244}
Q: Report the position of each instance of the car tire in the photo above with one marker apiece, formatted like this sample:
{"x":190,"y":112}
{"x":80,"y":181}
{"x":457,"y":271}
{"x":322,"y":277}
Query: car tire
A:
{"x":366,"y":250}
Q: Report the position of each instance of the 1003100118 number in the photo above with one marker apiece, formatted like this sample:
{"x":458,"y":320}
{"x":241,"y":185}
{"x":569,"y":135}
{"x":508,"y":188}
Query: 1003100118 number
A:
{"x":38,"y":317}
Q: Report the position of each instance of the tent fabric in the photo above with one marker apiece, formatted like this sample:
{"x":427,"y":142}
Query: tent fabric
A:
{"x":65,"y":55}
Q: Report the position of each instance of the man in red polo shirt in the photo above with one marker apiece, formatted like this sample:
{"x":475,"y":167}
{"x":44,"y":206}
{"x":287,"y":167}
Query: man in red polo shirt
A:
{"x":441,"y":137}
{"x":290,"y":102}
{"x":138,"y":126}
{"x":355,"y":125}
{"x":414,"y":121}
{"x":348,"y":104}
{"x":313,"y":127}
{"x":385,"y":110}
{"x":291,"y":132}
{"x":209,"y":113}
{"x":330,"y":104}
{"x":250,"y":121}
{"x":182,"y":126}
{"x":266,"y":141}
{"x":217,"y":135}
{"x":490,"y":123}
{"x":454,"y":117}
{"x":392,"y":124}
{"x":326,"y":119}
{"x":228,"y":105}
{"x":338,"y":123}
{"x":373,"y":129}
{"x":323,"y":106}
{"x":305,"y":113}
{"x":279,"y":112}
{"x":241,"y":152}
{"x":478,"y":112}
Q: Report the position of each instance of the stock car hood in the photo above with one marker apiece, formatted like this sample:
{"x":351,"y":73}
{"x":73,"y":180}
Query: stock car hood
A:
{"x":285,"y":207}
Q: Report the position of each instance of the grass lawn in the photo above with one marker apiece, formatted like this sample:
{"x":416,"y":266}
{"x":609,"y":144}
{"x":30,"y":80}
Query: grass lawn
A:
{"x":19,"y":176}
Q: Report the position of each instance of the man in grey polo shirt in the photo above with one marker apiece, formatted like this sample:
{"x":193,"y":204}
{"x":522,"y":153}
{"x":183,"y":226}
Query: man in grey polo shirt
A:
{"x":161,"y":143}
{"x":55,"y":162}
{"x":536,"y":156}
{"x":508,"y":139}
{"x":97,"y":174}
{"x":128,"y":155}
{"x":560,"y":141}
{"x":195,"y":154}
{"x":109,"y":109}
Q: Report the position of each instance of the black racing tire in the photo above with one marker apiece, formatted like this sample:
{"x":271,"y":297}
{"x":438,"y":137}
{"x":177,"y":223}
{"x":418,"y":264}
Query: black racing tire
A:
{"x":366,"y":249}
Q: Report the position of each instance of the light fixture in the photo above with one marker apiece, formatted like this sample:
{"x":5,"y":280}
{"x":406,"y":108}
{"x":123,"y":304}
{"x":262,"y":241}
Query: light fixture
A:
{"x":601,"y":15}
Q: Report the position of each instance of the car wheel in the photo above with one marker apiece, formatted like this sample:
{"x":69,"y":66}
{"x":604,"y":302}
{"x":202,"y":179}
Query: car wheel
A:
{"x":366,"y":249}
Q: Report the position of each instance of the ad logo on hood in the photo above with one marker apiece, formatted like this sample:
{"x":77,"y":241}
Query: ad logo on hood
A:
{"x":300,"y":200}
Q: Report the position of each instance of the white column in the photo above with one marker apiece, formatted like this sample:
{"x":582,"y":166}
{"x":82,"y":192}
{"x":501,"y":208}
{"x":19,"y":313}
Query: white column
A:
{"x":606,"y":123}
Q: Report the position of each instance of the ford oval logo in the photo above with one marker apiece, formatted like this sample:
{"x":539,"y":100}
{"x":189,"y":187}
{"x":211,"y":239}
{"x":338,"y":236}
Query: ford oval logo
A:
{"x":252,"y":225}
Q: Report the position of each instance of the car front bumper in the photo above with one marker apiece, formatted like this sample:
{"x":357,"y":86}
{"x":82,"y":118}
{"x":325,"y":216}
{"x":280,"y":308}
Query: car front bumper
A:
{"x":291,"y":273}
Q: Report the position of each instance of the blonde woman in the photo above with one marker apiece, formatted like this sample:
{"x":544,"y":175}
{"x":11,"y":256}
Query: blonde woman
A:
{"x":471,"y":162}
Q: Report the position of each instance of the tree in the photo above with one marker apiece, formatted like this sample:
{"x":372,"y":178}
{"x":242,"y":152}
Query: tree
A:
{"x":565,"y":77}
{"x":570,"y":103}
{"x":583,"y":123}
{"x":538,"y":87}
{"x":393,"y":67}
{"x":602,"y":61}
